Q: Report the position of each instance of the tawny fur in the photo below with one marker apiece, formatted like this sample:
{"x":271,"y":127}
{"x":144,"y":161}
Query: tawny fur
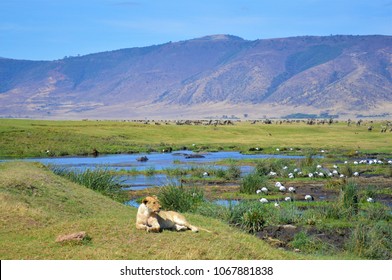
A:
{"x":150,"y":217}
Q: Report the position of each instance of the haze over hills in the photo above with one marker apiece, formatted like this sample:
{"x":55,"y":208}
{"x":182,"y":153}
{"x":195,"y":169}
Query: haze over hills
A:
{"x":207,"y":77}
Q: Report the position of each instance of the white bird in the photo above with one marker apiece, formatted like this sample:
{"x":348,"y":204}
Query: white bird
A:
{"x":282,"y":189}
{"x":277,"y":205}
{"x":296,"y":170}
{"x":272,"y":173}
{"x":390,"y":161}
{"x":345,"y":162}
{"x":278,"y":184}
{"x":319,"y":166}
{"x":335,"y":172}
{"x":206,"y":174}
{"x":264,"y":189}
{"x":291,"y":175}
{"x":285,"y":168}
{"x":264,"y":200}
{"x":258,"y":191}
{"x":355,"y":162}
{"x":335,"y":166}
{"x":371,"y":200}
{"x":310,"y":175}
{"x":309,"y":198}
{"x":321,"y":174}
{"x":292,"y":189}
{"x":287,"y":198}
{"x":341,"y":176}
{"x":356,"y":174}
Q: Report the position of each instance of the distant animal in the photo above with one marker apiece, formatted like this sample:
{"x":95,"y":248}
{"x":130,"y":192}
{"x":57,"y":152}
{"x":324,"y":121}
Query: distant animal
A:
{"x":292,"y":189}
{"x":264,"y":200}
{"x":143,"y":158}
{"x":151,"y":218}
{"x":371,"y":200}
{"x":309,"y":197}
{"x":287,"y":198}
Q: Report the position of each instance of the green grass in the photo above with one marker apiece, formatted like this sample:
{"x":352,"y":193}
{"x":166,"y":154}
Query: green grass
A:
{"x":33,"y":138}
{"x":36,"y":206}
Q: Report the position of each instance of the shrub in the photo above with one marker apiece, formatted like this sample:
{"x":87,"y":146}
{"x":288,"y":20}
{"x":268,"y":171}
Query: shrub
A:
{"x":233,"y":172}
{"x":252,"y":182}
{"x":347,"y":170}
{"x":100,"y":180}
{"x":372,"y":242}
{"x":253,"y":220}
{"x":180,"y":198}
{"x":349,"y":197}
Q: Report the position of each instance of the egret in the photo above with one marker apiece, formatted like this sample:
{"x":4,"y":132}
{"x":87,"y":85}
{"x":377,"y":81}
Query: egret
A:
{"x":292,"y":189}
{"x":309,"y":197}
{"x":282,"y":189}
{"x":371,"y":200}
{"x":264,"y":200}
{"x":264,"y":189}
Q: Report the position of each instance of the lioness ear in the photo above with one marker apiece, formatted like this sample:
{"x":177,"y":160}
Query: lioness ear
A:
{"x":145,"y":200}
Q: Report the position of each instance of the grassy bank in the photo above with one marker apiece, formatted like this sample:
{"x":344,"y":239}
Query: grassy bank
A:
{"x":31,"y":138}
{"x":37,"y":206}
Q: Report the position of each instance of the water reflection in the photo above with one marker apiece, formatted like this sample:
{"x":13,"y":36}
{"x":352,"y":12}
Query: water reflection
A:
{"x":156,"y":162}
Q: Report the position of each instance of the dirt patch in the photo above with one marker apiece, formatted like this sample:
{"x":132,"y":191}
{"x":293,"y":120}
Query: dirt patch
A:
{"x":282,"y":235}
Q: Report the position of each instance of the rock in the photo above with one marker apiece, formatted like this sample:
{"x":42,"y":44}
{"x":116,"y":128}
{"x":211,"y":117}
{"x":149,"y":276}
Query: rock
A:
{"x":194,"y":156}
{"x":76,"y":236}
{"x":288,"y":226}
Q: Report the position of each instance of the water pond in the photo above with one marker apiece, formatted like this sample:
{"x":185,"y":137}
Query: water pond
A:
{"x":155,"y":162}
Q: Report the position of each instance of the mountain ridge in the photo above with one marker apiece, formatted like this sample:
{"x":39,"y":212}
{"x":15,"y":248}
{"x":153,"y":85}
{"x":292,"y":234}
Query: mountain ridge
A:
{"x":342,"y":74}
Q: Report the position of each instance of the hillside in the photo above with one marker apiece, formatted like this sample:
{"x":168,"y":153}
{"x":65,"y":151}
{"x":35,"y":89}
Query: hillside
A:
{"x":209,"y":76}
{"x":37,"y":206}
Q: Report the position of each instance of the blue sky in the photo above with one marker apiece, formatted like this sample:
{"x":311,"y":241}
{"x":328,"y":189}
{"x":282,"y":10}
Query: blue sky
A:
{"x":50,"y":29}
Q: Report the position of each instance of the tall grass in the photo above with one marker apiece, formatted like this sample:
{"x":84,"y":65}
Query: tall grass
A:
{"x":252,"y":182}
{"x":349,"y":197}
{"x":100,"y":180}
{"x":372,"y":242}
{"x":180,"y":198}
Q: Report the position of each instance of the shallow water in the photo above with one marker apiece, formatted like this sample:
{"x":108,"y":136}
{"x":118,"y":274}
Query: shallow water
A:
{"x":156,"y":161}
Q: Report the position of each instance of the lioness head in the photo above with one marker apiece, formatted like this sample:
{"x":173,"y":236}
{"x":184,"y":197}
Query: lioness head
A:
{"x":152,"y":204}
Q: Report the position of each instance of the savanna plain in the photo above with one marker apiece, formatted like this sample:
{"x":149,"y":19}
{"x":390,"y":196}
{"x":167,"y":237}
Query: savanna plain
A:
{"x":344,"y":169}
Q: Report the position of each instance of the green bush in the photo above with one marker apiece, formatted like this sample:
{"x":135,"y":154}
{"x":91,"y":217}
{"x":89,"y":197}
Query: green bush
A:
{"x":233,"y":172}
{"x":98,"y":179}
{"x":349,"y":197}
{"x":252,"y":182}
{"x":372,"y":242}
{"x":180,"y":198}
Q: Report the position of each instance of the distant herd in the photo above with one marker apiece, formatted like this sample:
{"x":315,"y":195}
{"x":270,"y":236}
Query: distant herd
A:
{"x":385,"y":127}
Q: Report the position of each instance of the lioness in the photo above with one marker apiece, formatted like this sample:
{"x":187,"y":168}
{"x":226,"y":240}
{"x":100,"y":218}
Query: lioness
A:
{"x":150,"y":217}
